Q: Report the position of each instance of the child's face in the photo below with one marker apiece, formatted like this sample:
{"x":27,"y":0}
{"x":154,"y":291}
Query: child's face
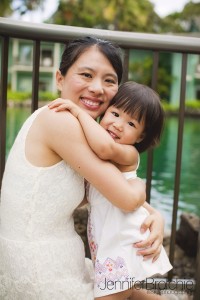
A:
{"x":123,"y":128}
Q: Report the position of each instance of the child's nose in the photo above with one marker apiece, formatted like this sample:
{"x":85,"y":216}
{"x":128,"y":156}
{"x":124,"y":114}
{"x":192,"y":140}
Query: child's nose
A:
{"x":118,"y":126}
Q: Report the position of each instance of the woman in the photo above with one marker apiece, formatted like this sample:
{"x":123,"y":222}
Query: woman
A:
{"x":41,"y":256}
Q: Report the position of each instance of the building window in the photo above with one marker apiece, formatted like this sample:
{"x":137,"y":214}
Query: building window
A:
{"x":25,"y":55}
{"x":46,"y":58}
{"x":43,"y":86}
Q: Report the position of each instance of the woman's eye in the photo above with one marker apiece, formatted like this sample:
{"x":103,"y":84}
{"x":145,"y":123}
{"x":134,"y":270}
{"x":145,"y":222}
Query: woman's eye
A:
{"x":109,"y":80}
{"x":131,"y":124}
{"x":88,"y":75}
{"x":115,"y":114}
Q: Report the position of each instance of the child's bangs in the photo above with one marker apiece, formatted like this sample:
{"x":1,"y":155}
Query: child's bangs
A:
{"x":133,"y":108}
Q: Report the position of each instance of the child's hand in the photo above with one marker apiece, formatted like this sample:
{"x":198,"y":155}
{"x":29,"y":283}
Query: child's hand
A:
{"x":155,"y":223}
{"x":65,"y":104}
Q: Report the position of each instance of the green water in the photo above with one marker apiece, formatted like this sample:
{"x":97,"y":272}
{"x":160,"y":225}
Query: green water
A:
{"x":163,"y":167}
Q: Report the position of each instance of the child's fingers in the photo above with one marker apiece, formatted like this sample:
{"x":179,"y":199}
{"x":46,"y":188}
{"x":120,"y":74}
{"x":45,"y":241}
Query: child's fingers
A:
{"x":150,"y":252}
{"x":55,"y":103}
{"x":62,"y":107}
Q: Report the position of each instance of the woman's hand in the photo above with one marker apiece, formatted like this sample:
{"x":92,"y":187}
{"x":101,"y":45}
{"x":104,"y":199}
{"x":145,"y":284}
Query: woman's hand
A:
{"x":65,"y":104}
{"x":155,"y":223}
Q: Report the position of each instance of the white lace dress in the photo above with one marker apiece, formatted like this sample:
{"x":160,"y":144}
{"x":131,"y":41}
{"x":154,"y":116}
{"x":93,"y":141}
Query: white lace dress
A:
{"x":41,"y":255}
{"x":111,"y":234}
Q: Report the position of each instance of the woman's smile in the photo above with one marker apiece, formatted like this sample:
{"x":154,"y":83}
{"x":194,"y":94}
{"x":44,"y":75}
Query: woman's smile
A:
{"x":91,"y":102}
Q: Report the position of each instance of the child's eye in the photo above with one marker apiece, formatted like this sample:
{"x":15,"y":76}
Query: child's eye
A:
{"x":131,"y":124}
{"x":115,"y":114}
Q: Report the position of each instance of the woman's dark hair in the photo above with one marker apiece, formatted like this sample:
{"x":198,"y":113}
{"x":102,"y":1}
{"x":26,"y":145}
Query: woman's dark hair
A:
{"x":75,"y":48}
{"x":143,"y":103}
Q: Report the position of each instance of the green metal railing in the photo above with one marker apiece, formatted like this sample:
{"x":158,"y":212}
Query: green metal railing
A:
{"x":127,"y":41}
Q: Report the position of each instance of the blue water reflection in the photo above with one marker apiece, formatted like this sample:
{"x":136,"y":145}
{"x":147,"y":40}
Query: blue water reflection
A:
{"x":164,"y":169}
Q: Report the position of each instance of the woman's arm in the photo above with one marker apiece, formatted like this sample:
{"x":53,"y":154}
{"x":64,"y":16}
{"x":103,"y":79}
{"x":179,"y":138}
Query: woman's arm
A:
{"x":98,"y":138}
{"x":155,"y":223}
{"x":63,"y":135}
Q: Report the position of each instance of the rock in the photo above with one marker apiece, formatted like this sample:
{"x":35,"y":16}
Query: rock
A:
{"x":80,"y":223}
{"x":187,"y":234}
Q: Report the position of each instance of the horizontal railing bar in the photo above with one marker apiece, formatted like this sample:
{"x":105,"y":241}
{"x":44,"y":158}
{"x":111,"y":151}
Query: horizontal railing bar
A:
{"x":61,"y":33}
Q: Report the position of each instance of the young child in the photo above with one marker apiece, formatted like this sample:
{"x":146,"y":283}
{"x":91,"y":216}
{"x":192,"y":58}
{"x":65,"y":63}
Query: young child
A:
{"x":132,"y":124}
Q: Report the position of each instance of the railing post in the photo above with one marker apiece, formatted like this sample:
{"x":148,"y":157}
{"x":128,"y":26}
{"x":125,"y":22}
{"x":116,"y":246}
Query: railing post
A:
{"x":125,"y":65}
{"x":150,"y":152}
{"x":178,"y":160}
{"x":36,"y":74}
{"x":3,"y":103}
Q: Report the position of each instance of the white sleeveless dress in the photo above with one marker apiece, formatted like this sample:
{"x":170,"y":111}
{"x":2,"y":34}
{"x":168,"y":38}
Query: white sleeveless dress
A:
{"x":111,"y":234}
{"x":41,"y":255}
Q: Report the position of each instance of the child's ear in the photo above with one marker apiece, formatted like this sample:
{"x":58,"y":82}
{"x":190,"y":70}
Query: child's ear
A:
{"x":140,"y":138}
{"x":59,"y":80}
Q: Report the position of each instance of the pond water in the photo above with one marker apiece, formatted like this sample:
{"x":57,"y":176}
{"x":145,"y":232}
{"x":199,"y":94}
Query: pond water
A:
{"x":163,"y":166}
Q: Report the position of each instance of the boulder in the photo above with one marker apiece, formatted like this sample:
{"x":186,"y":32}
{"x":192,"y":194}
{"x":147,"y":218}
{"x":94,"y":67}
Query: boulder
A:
{"x":187,"y":234}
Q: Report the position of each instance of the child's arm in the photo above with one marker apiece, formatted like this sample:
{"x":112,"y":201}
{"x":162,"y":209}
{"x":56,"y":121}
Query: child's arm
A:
{"x":98,"y":138}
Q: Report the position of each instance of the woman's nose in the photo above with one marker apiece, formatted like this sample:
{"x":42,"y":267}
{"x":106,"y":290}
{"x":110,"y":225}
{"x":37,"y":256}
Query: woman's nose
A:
{"x":96,"y":87}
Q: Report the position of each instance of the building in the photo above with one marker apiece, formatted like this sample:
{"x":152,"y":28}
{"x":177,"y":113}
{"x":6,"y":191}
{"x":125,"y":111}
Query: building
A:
{"x":20,"y":65}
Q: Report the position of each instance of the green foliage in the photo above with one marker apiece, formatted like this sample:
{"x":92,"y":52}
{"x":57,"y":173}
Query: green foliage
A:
{"x":191,"y":9}
{"x":5,"y":8}
{"x":126,"y":15}
{"x":47,"y":96}
{"x":193,"y":104}
{"x":172,"y":23}
{"x":18,"y":96}
{"x":123,"y":15}
{"x":141,"y":71}
{"x":169,"y":107}
{"x":185,"y":21}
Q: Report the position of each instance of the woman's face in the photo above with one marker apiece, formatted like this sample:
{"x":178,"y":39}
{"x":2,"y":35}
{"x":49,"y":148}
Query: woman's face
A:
{"x":91,"y":82}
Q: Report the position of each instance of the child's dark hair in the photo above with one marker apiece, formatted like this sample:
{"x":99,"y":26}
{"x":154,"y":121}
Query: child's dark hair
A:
{"x":75,"y":48}
{"x":143,"y":103}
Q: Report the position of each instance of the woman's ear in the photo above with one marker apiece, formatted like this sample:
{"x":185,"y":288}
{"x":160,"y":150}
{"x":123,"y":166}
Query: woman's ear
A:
{"x":59,"y":80}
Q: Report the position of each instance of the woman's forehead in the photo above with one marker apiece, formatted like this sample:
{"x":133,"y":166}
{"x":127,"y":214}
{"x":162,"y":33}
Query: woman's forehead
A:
{"x":93,"y":59}
{"x":93,"y":56}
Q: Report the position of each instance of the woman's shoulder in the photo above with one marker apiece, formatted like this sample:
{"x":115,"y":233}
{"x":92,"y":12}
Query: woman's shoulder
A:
{"x":58,"y":127}
{"x":57,"y":120}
